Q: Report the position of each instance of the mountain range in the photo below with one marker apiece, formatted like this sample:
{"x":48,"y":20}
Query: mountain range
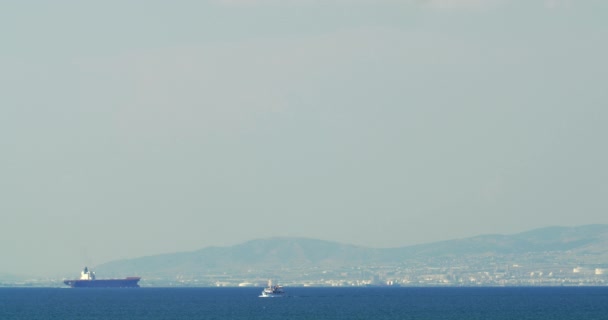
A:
{"x":573,"y":245}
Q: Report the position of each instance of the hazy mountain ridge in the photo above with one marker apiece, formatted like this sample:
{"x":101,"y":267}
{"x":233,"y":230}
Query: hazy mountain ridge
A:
{"x":285,"y":252}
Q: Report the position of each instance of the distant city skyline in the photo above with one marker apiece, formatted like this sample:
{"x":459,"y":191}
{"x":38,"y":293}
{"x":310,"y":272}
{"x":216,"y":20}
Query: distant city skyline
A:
{"x":134,"y":128}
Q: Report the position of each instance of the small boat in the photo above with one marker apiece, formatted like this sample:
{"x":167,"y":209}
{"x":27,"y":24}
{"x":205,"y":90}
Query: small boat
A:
{"x":271,"y":291}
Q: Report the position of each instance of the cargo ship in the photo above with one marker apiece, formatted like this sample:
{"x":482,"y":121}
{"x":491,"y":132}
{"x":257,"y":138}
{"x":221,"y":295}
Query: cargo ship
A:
{"x":87,"y":280}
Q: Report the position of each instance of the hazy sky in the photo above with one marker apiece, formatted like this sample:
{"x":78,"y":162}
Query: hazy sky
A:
{"x":133,"y":128}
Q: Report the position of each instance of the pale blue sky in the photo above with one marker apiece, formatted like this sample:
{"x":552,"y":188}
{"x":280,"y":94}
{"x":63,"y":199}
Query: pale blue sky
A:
{"x":133,"y":128}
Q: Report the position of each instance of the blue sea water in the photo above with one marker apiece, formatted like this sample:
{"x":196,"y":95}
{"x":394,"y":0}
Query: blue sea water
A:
{"x":306,"y":303}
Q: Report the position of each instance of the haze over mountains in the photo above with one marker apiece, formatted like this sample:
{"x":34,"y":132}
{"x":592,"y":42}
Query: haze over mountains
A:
{"x":569,"y":246}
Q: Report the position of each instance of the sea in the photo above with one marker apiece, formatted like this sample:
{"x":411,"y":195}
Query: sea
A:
{"x":350,"y":303}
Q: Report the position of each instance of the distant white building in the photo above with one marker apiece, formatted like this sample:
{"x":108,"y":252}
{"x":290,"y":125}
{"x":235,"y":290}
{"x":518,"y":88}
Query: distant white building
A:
{"x":246,"y":284}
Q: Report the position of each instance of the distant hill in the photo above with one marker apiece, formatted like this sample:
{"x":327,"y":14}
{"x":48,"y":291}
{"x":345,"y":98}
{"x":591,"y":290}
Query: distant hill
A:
{"x":275,"y":254}
{"x":272,"y":253}
{"x":583,"y":239}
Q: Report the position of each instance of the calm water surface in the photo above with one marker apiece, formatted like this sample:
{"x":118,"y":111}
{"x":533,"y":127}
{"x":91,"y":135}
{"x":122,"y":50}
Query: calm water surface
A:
{"x":305,"y":303}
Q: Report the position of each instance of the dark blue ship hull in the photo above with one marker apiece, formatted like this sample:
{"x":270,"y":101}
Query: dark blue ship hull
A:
{"x":130,"y":282}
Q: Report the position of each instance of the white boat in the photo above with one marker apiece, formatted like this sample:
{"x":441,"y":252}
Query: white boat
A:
{"x":271,"y":291}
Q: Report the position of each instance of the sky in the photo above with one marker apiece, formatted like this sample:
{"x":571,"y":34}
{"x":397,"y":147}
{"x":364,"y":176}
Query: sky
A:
{"x":135,"y":128}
